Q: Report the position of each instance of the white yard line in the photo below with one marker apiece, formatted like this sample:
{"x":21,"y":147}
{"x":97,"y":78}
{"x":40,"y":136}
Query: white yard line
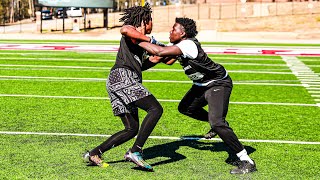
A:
{"x":161,"y":100}
{"x":254,"y":64}
{"x":159,"y":137}
{"x":47,"y":66}
{"x":310,"y":60}
{"x":34,"y":78}
{"x":93,"y":68}
{"x":243,"y":58}
{"x":304,"y":74}
{"x":208,"y":49}
{"x":109,"y":60}
{"x":314,"y":92}
{"x":212,"y":57}
{"x":55,"y":59}
{"x":54,"y":69}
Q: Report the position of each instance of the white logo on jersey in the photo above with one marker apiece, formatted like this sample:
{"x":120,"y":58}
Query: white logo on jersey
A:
{"x":138,"y":59}
{"x":187,"y":67}
{"x":195,"y":76}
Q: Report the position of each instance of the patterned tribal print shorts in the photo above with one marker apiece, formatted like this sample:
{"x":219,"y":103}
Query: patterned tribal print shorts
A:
{"x":123,"y":87}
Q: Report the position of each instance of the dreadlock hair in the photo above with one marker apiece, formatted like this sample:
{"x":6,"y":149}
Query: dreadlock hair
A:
{"x":189,"y":25}
{"x":135,"y":15}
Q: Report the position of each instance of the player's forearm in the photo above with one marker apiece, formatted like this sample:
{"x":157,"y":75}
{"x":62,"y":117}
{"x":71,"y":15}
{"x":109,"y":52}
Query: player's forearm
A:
{"x":169,"y":60}
{"x":151,"y":48}
{"x":131,"y":32}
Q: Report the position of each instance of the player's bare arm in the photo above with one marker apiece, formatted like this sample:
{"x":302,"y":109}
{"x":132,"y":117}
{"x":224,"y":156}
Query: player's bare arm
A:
{"x":169,"y":60}
{"x":132,"y":32}
{"x":159,"y":50}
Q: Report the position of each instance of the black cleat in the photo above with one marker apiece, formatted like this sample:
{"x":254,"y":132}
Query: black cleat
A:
{"x":244,"y":168}
{"x":210,"y":134}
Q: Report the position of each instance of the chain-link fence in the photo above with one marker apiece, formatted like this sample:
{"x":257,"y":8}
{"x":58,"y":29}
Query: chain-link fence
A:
{"x":206,"y":15}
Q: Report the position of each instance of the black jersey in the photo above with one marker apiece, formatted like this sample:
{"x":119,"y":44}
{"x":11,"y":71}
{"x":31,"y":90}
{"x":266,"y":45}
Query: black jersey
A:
{"x":202,"y":70}
{"x":130,"y":56}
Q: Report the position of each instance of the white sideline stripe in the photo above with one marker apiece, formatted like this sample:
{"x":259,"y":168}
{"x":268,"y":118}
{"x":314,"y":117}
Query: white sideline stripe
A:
{"x":278,"y":70}
{"x":317,"y":60}
{"x":214,"y":57}
{"x":153,"y":81}
{"x":310,"y":80}
{"x":56,"y":59}
{"x":157,"y":81}
{"x":113,"y":60}
{"x":307,"y":75}
{"x":315,"y":92}
{"x":271,"y":84}
{"x":255,"y":64}
{"x":104,"y":79}
{"x":23,"y":57}
{"x":62,"y":67}
{"x":158,"y":137}
{"x":161,"y":100}
{"x":55,"y":97}
{"x":314,"y":65}
{"x":312,"y":88}
{"x":56,"y":69}
{"x":108,"y":68}
{"x":271,"y":103}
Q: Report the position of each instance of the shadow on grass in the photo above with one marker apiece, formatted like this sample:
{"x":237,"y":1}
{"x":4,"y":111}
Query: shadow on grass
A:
{"x":169,"y":150}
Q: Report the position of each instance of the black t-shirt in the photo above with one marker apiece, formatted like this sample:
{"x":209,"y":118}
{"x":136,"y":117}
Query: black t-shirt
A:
{"x":130,"y":56}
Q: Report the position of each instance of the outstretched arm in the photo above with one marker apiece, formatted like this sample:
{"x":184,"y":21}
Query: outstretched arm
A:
{"x":161,"y":51}
{"x":153,"y":60}
{"x":131,"y":32}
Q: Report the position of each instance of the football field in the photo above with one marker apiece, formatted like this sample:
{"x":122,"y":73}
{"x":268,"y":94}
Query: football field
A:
{"x":54,"y":107}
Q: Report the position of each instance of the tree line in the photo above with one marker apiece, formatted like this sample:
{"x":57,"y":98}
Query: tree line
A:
{"x":16,"y":10}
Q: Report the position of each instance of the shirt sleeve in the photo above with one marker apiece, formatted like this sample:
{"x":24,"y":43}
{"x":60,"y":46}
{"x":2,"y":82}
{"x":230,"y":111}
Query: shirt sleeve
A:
{"x":188,"y":48}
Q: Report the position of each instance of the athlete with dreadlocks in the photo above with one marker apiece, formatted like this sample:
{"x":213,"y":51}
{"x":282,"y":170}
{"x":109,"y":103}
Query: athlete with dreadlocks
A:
{"x":211,"y":86}
{"x":126,"y":92}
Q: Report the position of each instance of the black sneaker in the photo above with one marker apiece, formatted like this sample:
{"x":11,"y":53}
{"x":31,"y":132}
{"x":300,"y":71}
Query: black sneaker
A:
{"x":244,"y":168}
{"x":210,"y":134}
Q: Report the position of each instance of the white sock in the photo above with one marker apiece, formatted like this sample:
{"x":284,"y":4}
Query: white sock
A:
{"x":243,"y":156}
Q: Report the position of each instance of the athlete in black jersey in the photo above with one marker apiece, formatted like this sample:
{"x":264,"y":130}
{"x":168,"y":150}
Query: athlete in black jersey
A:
{"x":126,"y":92}
{"x":211,"y":86}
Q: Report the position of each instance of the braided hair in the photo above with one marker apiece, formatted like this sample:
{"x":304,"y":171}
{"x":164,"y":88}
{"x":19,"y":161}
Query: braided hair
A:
{"x":135,"y":15}
{"x":190,"y":27}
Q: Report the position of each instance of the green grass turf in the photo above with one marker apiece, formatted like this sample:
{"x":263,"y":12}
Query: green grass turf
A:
{"x":315,"y":69}
{"x":177,"y":75}
{"x":242,"y":92}
{"x":59,"y":157}
{"x":50,"y":157}
{"x":76,"y":116}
